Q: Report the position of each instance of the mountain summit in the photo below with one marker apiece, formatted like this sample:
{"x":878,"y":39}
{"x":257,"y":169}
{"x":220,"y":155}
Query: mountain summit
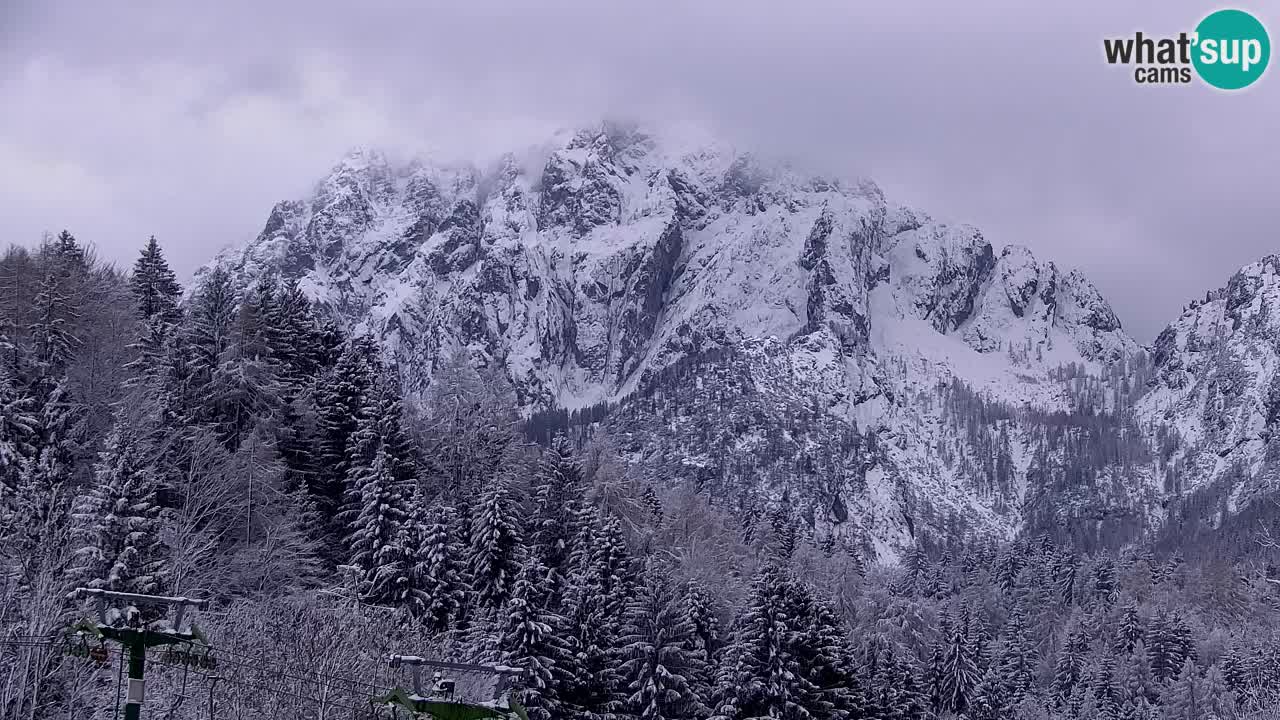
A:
{"x":885,"y":372}
{"x":585,"y":267}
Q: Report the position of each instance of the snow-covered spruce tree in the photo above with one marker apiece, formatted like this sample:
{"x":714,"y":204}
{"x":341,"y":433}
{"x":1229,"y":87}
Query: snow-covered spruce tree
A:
{"x":67,"y":260}
{"x":301,"y":351}
{"x":989,"y":701}
{"x":1168,"y":645}
{"x":440,"y":568}
{"x":599,"y":585}
{"x":1219,"y":699}
{"x":659,"y":670}
{"x":913,"y":573}
{"x":260,"y":335}
{"x":1130,"y":631}
{"x":177,"y":408}
{"x":243,"y":389}
{"x":1069,"y":669}
{"x":495,"y":552}
{"x":379,"y":536}
{"x":154,"y":286}
{"x":783,"y":533}
{"x":935,"y":668}
{"x":903,"y":626}
{"x":979,"y":639}
{"x":1065,"y":569}
{"x":383,"y":541}
{"x":725,"y":693}
{"x":45,"y":477}
{"x":341,"y":401}
{"x":245,"y":384}
{"x":1017,"y":658}
{"x":51,"y":329}
{"x":298,"y":362}
{"x":68,"y":252}
{"x":649,"y":498}
{"x":831,"y":687}
{"x":1103,"y":578}
{"x":1136,"y":683}
{"x":959,"y":673}
{"x":150,"y":348}
{"x":1008,"y":565}
{"x":785,"y":659}
{"x":592,"y":683}
{"x":557,"y":493}
{"x":1105,"y":688}
{"x":532,"y":638}
{"x":211,"y":319}
{"x":875,"y":660}
{"x":609,"y":564}
{"x":1235,"y":669}
{"x":380,"y":423}
{"x":296,"y":439}
{"x":1185,"y":699}
{"x":207,"y":338}
{"x":908,"y":700}
{"x":704,"y":641}
{"x":17,"y":430}
{"x":118,"y":521}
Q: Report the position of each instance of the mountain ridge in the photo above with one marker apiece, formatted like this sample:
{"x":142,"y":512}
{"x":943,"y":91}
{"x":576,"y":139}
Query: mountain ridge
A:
{"x":444,"y":209}
{"x":587,"y":267}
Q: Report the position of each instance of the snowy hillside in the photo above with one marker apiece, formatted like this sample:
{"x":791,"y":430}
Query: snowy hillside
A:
{"x":586,"y":268}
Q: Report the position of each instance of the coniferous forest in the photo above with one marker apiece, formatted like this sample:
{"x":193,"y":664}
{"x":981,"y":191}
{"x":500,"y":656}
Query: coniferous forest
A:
{"x":236,"y":444}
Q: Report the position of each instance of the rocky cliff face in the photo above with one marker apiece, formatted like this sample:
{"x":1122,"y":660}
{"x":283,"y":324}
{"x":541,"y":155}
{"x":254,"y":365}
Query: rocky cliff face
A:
{"x":1216,"y":389}
{"x":885,"y":372}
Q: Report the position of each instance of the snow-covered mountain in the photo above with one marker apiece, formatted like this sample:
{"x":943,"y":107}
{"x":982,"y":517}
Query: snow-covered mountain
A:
{"x":772,"y":334}
{"x":1216,"y":387}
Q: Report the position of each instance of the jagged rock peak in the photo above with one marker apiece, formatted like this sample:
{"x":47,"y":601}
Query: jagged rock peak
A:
{"x":584,"y":264}
{"x":595,"y":266}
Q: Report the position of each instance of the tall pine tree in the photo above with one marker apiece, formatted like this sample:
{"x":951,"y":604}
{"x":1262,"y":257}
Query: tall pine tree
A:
{"x":558,"y":490}
{"x":496,"y":545}
{"x":51,"y":330}
{"x":154,"y":286}
{"x":533,"y":640}
{"x":341,"y":402}
{"x":440,"y":568}
{"x":380,"y":540}
{"x":118,"y":521}
{"x":659,"y":668}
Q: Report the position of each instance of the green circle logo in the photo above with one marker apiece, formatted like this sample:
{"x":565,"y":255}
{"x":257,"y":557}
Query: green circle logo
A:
{"x":1231,"y":49}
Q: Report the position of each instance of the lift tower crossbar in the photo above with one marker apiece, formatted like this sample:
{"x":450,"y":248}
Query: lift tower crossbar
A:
{"x":136,"y":637}
{"x":457,"y":691}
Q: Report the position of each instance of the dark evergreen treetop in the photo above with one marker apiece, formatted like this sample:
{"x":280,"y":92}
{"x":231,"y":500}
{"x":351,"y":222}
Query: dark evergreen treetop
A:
{"x":154,"y":286}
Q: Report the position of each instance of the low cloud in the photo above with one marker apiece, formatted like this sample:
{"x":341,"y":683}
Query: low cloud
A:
{"x":190,"y":120}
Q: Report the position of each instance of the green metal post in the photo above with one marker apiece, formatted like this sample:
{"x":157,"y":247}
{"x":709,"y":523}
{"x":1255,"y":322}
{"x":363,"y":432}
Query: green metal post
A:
{"x":137,"y":667}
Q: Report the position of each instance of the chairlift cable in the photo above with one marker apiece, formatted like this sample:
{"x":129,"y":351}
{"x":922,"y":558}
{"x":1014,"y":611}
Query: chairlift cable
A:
{"x":262,"y":688}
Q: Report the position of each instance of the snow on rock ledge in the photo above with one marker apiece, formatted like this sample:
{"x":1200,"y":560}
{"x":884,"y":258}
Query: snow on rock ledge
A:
{"x":586,"y":268}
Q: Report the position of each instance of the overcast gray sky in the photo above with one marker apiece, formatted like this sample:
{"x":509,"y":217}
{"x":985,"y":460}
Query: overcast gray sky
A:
{"x":189,"y":120}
